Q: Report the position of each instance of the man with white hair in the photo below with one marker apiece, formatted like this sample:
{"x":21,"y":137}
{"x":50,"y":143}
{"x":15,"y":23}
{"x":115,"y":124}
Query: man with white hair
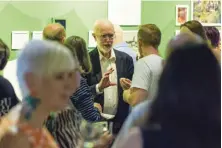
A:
{"x":121,"y":45}
{"x":108,"y":66}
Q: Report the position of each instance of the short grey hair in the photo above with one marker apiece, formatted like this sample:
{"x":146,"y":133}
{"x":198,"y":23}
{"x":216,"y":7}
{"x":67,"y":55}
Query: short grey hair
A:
{"x":43,"y":58}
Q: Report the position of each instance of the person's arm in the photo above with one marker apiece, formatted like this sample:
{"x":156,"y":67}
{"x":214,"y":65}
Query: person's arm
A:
{"x":83,"y":101}
{"x":137,"y":117}
{"x":134,"y":96}
{"x":132,"y":140}
{"x":140,"y":84}
{"x":93,"y":88}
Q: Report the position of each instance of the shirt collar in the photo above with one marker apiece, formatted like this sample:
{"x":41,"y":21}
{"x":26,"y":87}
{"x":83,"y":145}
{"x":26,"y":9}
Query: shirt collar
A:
{"x":112,"y":57}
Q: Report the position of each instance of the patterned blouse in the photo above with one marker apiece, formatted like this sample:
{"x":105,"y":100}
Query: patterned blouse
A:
{"x":38,"y":138}
{"x":65,"y":128}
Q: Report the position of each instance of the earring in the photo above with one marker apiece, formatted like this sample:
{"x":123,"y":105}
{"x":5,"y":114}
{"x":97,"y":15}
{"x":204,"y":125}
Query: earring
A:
{"x":31,"y":104}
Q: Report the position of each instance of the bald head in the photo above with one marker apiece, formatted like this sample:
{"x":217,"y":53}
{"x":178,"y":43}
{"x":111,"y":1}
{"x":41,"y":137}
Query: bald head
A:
{"x":54,"y":32}
{"x":182,"y":39}
{"x":100,"y":24}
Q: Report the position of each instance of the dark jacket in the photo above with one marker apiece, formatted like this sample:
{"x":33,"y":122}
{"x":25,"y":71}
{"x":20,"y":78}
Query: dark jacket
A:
{"x":125,"y":69}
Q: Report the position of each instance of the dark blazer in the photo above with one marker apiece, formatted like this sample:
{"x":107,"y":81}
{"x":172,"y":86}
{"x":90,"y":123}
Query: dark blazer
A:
{"x":125,"y":69}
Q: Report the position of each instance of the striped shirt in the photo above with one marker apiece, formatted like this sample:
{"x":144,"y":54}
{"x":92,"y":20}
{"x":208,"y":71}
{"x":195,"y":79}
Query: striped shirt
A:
{"x":65,"y":128}
{"x":82,"y":99}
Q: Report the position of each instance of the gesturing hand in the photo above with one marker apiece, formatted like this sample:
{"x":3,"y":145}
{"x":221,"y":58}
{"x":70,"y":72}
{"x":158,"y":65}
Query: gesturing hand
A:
{"x":125,"y":83}
{"x":105,"y":81}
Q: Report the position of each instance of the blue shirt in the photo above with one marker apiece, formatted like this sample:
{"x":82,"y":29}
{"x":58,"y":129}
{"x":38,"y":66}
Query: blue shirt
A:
{"x":124,"y":47}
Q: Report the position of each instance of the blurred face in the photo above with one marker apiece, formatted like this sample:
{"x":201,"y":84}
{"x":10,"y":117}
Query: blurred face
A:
{"x":104,"y":38}
{"x":55,"y":90}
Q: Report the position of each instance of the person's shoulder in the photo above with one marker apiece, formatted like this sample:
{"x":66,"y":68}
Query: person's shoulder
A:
{"x":5,"y":84}
{"x":93,"y":51}
{"x":122,"y":54}
{"x":152,"y":57}
{"x":151,"y":60}
{"x":83,"y":82}
{"x":141,"y":62}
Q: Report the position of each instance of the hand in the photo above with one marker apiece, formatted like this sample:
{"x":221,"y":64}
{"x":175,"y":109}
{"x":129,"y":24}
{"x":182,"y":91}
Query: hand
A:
{"x":98,"y":106}
{"x":104,"y":141}
{"x":105,"y":81}
{"x":125,"y":83}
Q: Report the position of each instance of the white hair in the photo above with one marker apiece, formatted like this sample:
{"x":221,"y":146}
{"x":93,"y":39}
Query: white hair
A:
{"x":43,"y":58}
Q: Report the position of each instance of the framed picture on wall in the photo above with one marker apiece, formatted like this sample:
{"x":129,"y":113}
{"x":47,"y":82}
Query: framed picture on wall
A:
{"x":182,"y":15}
{"x":208,"y":12}
{"x":37,"y":35}
{"x":61,"y":21}
{"x":19,"y":39}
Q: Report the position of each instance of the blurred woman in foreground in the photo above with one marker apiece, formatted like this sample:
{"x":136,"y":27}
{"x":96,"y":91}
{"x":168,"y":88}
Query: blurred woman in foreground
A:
{"x":187,"y":110}
{"x":48,"y":75}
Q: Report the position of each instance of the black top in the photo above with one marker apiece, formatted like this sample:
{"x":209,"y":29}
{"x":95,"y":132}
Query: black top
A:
{"x":8,"y":98}
{"x":180,"y":137}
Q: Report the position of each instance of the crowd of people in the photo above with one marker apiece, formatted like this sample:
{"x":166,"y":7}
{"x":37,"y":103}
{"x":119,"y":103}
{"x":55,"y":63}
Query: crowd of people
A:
{"x":144,"y":100}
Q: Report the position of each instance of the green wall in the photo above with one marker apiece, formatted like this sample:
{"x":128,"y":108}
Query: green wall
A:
{"x":34,"y":16}
{"x":80,"y":16}
{"x":163,"y":14}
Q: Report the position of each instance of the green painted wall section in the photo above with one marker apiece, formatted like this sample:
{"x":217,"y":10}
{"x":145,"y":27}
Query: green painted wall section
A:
{"x":163,"y":14}
{"x":34,"y":16}
{"x":80,"y":16}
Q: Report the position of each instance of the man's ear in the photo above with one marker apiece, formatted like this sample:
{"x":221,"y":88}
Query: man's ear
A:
{"x":140,"y":43}
{"x":63,"y":39}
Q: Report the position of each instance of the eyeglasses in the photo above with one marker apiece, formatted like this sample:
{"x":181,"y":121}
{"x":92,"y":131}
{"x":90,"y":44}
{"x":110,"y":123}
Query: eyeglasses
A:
{"x":105,"y":36}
